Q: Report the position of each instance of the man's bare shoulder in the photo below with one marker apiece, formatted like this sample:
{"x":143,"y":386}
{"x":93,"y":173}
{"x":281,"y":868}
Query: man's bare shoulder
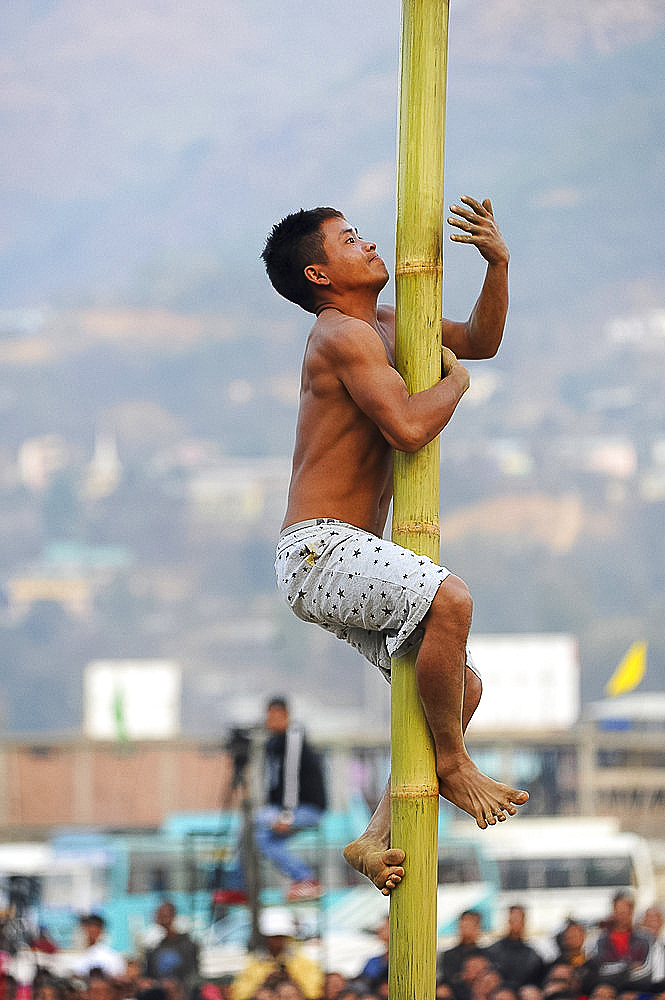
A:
{"x":331,"y":322}
{"x":338,"y":335}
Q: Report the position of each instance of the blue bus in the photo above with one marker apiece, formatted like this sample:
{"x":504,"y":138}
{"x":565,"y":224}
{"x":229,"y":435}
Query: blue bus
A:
{"x":125,"y":876}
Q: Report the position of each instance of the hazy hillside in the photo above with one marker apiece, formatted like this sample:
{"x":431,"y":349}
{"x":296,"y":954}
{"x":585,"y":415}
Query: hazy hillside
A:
{"x":147,"y":149}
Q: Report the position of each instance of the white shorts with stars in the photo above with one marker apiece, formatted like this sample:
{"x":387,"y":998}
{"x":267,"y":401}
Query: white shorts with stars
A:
{"x":362,"y":588}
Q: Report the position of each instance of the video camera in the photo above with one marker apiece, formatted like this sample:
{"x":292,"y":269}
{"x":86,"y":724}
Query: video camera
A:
{"x":239,"y":746}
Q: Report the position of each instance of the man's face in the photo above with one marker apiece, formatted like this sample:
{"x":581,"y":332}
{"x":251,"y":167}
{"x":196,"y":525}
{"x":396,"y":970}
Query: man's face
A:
{"x":516,"y":922}
{"x":277,"y":719}
{"x":352,"y":262}
{"x":277,"y":944}
{"x":165,"y":916}
{"x":335,"y":983}
{"x":93,"y":932}
{"x":573,"y":937}
{"x":623,"y":914}
{"x":469,"y":929}
{"x":473,"y":967}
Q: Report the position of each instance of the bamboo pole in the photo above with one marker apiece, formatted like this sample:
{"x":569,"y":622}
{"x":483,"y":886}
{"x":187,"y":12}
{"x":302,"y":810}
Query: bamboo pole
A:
{"x":418,"y":290}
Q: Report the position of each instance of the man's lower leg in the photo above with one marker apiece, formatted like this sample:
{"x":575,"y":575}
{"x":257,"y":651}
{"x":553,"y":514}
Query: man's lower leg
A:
{"x":440,"y":672}
{"x":372,"y":855}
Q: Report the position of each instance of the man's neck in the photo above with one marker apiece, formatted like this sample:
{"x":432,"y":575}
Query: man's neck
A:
{"x":357,"y":307}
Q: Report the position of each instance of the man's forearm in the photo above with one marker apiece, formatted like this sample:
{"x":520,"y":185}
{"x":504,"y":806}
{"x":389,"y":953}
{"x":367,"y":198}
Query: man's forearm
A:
{"x":488,"y":317}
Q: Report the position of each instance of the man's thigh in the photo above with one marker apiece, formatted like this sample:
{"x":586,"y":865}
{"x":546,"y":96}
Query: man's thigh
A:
{"x":351,"y":582}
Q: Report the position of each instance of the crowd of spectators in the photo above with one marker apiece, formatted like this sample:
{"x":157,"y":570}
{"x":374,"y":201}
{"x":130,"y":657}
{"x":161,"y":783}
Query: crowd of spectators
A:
{"x":168,"y":969}
{"x":620,"y":960}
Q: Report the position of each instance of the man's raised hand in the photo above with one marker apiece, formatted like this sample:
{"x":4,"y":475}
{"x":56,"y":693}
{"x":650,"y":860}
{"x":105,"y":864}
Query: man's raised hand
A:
{"x":478,"y":227}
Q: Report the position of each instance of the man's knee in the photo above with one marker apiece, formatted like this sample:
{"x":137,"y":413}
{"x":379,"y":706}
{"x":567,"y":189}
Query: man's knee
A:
{"x":453,"y":600}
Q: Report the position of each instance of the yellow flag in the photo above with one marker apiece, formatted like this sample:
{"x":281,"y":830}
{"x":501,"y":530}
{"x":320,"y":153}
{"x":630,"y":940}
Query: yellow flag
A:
{"x":630,"y":671}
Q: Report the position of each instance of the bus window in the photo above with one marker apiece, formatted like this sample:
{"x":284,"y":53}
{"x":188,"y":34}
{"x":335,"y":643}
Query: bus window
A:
{"x":610,"y":872}
{"x":565,"y":873}
{"x":557,"y":875}
{"x":513,"y":874}
{"x":459,"y":865}
{"x":153,"y":872}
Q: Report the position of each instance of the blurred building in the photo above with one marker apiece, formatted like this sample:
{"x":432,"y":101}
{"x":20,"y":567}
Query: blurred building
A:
{"x":131,"y":766}
{"x":610,"y":764}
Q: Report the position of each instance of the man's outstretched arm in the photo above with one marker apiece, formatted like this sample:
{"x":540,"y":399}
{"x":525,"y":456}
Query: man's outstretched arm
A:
{"x":480,"y":336}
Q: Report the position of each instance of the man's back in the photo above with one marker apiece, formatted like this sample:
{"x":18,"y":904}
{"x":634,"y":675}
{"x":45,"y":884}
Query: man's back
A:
{"x":342,"y":464}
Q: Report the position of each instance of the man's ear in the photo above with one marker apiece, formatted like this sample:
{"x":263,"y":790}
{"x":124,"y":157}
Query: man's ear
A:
{"x":315,"y":274}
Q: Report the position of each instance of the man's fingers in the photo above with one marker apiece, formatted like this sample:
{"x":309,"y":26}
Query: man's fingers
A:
{"x":472,"y":203}
{"x":472,"y":215}
{"x":448,"y":360}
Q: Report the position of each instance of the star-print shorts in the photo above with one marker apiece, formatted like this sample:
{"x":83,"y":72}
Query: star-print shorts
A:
{"x":362,"y":588}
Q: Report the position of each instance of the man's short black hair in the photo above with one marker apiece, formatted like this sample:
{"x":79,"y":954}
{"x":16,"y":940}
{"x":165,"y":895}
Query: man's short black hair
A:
{"x":293,"y":244}
{"x":278,"y":702}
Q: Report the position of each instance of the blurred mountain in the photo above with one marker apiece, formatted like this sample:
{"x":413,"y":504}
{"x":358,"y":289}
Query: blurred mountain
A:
{"x":148,"y":148}
{"x":148,"y":374}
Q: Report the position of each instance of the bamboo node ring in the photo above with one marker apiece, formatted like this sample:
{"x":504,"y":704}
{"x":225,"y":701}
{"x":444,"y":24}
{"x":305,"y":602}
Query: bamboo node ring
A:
{"x":418,"y":267}
{"x":421,"y":792}
{"x":417,"y":528}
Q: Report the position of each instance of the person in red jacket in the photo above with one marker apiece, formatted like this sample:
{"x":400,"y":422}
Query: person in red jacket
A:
{"x":623,"y":952}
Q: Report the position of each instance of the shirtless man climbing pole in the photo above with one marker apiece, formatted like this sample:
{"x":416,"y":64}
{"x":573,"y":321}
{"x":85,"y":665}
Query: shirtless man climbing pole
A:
{"x":333,"y":565}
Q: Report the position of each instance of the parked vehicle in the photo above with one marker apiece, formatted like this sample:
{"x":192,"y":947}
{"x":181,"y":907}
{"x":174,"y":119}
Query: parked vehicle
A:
{"x":561,"y":867}
{"x":555,"y":867}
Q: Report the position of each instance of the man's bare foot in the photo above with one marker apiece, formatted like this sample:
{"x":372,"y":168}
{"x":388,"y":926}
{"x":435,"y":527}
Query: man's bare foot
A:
{"x":382,"y":865}
{"x":488,"y":801}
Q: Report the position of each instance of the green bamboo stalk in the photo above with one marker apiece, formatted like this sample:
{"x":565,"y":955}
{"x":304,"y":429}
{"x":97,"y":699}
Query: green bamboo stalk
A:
{"x":418,"y":290}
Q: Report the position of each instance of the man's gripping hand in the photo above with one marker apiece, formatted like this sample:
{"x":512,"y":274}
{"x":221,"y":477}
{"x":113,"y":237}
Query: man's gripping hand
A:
{"x":478,"y":227}
{"x":449,"y":363}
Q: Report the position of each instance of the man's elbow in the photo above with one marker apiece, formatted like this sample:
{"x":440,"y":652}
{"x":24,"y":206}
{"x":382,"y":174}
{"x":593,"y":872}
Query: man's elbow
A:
{"x":492,"y":352}
{"x":410,"y":440}
{"x":484,"y":350}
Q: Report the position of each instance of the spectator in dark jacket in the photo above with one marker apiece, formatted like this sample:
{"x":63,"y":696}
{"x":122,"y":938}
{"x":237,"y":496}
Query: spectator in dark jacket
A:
{"x":571,"y":942}
{"x":517,"y":962}
{"x":449,"y":963}
{"x":176,"y":957}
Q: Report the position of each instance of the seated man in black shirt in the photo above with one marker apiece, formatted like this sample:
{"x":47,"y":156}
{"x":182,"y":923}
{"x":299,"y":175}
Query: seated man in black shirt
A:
{"x":296,"y":797}
{"x":295,"y":800}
